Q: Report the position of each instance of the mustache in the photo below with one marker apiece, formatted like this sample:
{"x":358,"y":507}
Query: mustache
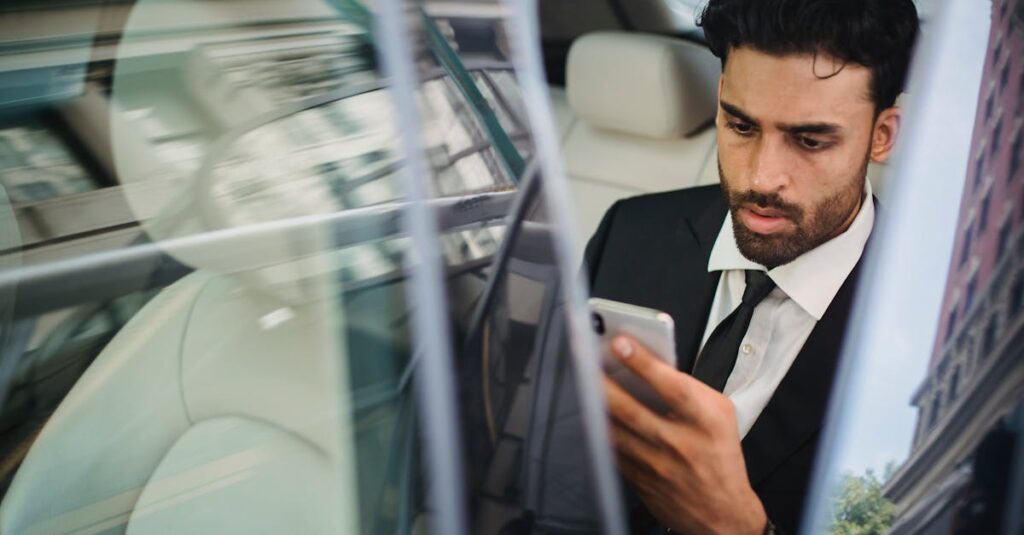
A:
{"x":765,"y":200}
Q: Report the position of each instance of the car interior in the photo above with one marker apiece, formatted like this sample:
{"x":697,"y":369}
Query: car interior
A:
{"x":218,"y":339}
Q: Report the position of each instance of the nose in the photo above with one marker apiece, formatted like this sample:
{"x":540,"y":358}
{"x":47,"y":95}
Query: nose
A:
{"x":770,"y":169}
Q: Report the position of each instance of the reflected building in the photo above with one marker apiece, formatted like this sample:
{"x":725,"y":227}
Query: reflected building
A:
{"x":209,"y":97}
{"x":955,"y":479}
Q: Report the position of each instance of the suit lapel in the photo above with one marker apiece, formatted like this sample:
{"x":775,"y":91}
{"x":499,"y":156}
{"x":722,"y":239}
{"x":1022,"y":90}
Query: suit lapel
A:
{"x":796,"y":410}
{"x":696,"y":289}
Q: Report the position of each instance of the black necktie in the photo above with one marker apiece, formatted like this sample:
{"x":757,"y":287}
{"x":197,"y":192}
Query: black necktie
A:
{"x":717,"y":359}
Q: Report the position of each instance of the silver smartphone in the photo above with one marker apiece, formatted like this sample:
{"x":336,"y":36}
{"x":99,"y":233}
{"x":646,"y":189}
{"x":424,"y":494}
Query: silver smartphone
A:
{"x":652,"y":328}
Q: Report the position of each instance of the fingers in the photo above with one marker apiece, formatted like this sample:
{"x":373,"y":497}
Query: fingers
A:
{"x":636,"y":472}
{"x":675,"y":388}
{"x":634,"y":454}
{"x":626,"y":411}
{"x":630,"y":445}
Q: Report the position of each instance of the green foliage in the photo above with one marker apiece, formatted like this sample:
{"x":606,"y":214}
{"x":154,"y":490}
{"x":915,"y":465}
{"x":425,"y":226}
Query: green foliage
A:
{"x":860,"y":508}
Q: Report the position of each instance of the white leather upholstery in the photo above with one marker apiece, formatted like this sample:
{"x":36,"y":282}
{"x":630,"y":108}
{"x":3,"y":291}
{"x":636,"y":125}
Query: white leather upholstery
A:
{"x":641,"y":85}
{"x":624,"y":118}
{"x":199,"y":417}
{"x":597,"y":159}
{"x":237,"y":475}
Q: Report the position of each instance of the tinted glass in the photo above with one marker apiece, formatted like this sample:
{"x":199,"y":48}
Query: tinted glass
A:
{"x":926,"y":431}
{"x":524,"y":420}
{"x":232,"y":287}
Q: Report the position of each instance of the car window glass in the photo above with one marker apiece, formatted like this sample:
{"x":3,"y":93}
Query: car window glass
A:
{"x":212,"y":279}
{"x":925,"y":431}
{"x":522,"y":415}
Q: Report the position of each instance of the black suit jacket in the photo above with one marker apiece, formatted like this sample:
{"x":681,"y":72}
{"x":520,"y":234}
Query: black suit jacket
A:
{"x":653,"y":251}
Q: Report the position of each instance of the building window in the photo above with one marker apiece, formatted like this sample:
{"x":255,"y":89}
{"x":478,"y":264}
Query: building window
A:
{"x":972,"y":288}
{"x":919,"y":427}
{"x":988,"y":339}
{"x":1016,"y":297}
{"x":990,"y":103}
{"x":979,"y":169}
{"x":983,"y":216}
{"x":1020,"y":83}
{"x":997,"y":133}
{"x":933,"y":417}
{"x":954,"y":383}
{"x":1004,"y":239}
{"x":965,"y":248}
{"x":1018,"y":146}
{"x":950,"y":324}
{"x":1004,"y":77}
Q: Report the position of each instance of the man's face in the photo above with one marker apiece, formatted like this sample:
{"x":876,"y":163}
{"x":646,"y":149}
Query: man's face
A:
{"x":793,"y":149}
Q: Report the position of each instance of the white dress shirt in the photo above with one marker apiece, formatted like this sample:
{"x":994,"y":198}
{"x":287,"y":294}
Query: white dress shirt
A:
{"x":782,"y":322}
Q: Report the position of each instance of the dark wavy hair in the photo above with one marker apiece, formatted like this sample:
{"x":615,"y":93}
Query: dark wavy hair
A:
{"x":878,"y":34}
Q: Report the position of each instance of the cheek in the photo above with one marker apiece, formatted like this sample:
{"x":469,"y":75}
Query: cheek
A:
{"x":813,"y":180}
{"x":837,"y":188}
{"x":732,"y":160}
{"x":819,"y":174}
{"x":835,"y":173}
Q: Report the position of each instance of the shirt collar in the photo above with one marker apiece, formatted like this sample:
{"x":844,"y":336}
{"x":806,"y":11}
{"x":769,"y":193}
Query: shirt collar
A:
{"x":814,"y":278}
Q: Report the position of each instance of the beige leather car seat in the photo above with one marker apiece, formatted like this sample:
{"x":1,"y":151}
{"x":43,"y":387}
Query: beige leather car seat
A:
{"x":635,"y":117}
{"x":223,"y":406}
{"x":215,"y":410}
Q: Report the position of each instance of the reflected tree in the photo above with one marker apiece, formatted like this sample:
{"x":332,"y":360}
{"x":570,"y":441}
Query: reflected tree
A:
{"x":860,"y":508}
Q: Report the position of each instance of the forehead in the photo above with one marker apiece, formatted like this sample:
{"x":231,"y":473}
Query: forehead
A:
{"x":796,"y":88}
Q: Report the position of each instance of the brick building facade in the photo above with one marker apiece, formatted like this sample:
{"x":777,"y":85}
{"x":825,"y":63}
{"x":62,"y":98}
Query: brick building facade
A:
{"x":976,"y":373}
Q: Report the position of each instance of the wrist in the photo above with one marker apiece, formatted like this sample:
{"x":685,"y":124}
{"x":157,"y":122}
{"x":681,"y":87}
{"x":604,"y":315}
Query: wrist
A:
{"x":758,"y":523}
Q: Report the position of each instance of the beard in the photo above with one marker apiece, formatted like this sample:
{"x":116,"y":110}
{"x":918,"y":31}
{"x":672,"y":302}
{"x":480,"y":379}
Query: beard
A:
{"x":814,"y":225}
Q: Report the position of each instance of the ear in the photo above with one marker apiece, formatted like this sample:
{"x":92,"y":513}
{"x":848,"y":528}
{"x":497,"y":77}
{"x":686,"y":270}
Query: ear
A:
{"x":883,"y":136}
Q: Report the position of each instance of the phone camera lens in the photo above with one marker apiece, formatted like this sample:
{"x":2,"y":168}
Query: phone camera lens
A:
{"x":597,"y":322}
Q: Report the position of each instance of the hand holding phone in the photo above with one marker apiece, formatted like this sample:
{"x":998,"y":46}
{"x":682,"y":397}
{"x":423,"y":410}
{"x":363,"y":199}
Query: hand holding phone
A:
{"x":652,"y":328}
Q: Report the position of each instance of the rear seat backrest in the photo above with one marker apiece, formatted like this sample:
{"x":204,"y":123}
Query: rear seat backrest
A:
{"x":635,"y":118}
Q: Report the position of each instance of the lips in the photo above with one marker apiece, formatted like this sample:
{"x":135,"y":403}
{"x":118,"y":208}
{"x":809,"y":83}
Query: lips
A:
{"x":763,"y":220}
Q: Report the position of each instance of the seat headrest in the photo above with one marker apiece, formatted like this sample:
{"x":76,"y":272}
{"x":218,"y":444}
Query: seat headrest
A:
{"x":641,"y":84}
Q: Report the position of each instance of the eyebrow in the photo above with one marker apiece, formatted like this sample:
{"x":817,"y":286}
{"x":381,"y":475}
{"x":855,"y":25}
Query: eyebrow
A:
{"x":803,"y":128}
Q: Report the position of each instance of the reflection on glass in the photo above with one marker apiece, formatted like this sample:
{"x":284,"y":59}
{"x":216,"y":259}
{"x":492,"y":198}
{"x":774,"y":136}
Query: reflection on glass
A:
{"x":527,"y":465}
{"x":205,"y":316}
{"x":963,"y":461}
{"x":940,"y":328}
{"x":35,"y":165}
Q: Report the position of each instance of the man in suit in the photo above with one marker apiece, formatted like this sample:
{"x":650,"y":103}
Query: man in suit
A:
{"x":759,"y":273}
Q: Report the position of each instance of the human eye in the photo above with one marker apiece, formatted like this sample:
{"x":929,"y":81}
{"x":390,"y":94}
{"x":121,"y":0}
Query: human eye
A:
{"x":740,"y":127}
{"x":811,"y":143}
